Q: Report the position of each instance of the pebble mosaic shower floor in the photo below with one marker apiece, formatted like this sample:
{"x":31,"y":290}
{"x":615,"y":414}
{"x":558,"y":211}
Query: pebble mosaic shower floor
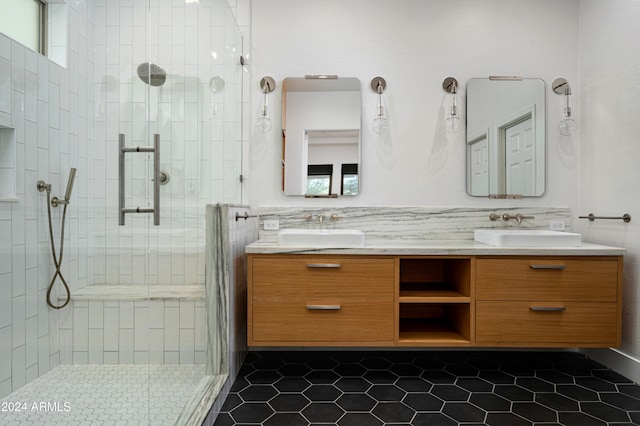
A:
{"x":501,"y":388}
{"x":103,"y":395}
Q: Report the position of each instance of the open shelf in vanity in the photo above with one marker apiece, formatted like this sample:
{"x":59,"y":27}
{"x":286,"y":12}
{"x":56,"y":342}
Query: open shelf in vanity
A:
{"x":434,"y":301}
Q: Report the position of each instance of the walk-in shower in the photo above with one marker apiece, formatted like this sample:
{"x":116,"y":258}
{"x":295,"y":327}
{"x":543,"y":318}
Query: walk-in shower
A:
{"x":127,"y":342}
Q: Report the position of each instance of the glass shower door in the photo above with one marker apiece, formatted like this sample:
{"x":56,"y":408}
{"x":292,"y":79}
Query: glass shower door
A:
{"x":173,"y":74}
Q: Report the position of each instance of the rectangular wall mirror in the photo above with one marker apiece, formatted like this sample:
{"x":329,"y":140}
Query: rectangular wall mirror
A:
{"x":321,"y":120}
{"x":505,"y":137}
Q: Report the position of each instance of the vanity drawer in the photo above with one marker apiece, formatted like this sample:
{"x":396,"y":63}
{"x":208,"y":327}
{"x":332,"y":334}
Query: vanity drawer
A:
{"x":579,"y":324}
{"x":547,"y":278}
{"x":304,"y":321}
{"x":286,"y":278}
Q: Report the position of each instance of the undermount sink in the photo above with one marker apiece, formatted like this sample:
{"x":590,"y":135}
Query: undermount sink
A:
{"x":326,"y":238}
{"x":527,"y":238}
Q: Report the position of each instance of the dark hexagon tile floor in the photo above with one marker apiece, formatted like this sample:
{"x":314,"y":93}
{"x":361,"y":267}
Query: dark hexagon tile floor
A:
{"x":361,"y":388}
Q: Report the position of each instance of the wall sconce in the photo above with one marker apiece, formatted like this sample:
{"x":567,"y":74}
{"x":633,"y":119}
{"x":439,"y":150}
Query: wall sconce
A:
{"x":264,"y":114}
{"x":379,"y":123}
{"x":568,"y":125}
{"x":450,"y":85}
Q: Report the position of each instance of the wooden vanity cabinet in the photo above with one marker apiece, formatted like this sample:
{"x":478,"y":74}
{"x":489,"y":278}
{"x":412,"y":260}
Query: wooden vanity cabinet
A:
{"x":438,"y":301}
{"x":306,"y":300}
{"x":548,"y":301}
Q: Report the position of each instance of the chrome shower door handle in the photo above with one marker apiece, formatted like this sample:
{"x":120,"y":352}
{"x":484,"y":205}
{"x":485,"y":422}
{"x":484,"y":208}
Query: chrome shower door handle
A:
{"x":121,"y":180}
{"x":156,"y":179}
{"x":122,"y":210}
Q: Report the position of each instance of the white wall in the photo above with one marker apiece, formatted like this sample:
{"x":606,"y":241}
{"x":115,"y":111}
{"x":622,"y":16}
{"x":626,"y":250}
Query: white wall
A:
{"x":414,"y":45}
{"x":609,"y":128}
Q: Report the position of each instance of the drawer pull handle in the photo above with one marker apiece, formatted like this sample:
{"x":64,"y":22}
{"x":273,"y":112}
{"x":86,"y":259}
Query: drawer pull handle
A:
{"x":324,"y":307}
{"x":323,"y":265}
{"x":548,"y":308}
{"x":558,"y":267}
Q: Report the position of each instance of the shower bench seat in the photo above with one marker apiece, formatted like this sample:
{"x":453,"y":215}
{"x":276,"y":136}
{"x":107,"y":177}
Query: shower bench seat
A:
{"x":132,"y":324}
{"x":139,"y":292}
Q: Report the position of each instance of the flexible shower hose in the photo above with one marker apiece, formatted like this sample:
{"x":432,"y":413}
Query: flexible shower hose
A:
{"x":57,"y":261}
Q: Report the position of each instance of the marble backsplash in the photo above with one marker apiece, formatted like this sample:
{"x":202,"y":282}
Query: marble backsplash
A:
{"x":418,"y":223}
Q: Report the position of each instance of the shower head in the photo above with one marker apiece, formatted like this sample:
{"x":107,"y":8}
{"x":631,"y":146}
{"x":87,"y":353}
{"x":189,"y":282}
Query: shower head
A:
{"x":72,"y":177}
{"x":152,"y":74}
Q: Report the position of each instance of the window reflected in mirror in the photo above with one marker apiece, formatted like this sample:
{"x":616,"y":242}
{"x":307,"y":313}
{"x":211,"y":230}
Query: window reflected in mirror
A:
{"x":350,"y":183}
{"x":319,"y":179}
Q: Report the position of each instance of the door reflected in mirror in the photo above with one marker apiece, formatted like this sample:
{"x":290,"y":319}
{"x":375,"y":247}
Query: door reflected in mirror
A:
{"x":321,"y":120}
{"x":505,"y":137}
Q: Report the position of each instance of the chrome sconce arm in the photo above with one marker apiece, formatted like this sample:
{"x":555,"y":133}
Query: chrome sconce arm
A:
{"x":267,"y":84}
{"x":380,"y":122}
{"x":568,"y":125}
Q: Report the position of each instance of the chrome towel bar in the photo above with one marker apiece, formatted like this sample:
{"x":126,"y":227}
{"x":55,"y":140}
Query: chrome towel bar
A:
{"x":122,"y":210}
{"x":625,"y":217}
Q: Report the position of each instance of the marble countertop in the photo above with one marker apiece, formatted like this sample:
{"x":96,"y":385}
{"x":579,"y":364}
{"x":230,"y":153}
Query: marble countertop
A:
{"x":432,"y":247}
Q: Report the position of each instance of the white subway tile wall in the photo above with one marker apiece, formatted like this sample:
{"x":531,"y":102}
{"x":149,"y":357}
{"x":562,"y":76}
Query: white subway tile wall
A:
{"x":35,"y":105}
{"x":7,"y":151}
{"x":134,"y":332}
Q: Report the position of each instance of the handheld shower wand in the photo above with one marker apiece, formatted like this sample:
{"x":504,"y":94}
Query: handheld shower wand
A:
{"x":57,"y":260}
{"x":55,"y":201}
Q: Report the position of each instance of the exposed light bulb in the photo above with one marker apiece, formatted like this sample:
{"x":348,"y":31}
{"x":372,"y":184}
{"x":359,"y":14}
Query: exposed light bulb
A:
{"x":568,"y":125}
{"x":264,"y":116}
{"x":453,"y":118}
{"x":380,"y":124}
{"x":264,"y":124}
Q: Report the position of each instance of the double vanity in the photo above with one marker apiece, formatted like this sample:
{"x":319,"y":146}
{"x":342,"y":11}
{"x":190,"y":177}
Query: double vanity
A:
{"x":418,"y":276}
{"x":434,"y":293}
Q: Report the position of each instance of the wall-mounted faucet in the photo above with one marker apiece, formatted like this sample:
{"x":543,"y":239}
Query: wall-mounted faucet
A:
{"x":506,"y":216}
{"x":321,"y":217}
{"x":520,"y":217}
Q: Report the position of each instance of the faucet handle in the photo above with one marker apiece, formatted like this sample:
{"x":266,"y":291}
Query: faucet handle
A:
{"x":520,"y":217}
{"x":307,"y":216}
{"x":334,"y":217}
